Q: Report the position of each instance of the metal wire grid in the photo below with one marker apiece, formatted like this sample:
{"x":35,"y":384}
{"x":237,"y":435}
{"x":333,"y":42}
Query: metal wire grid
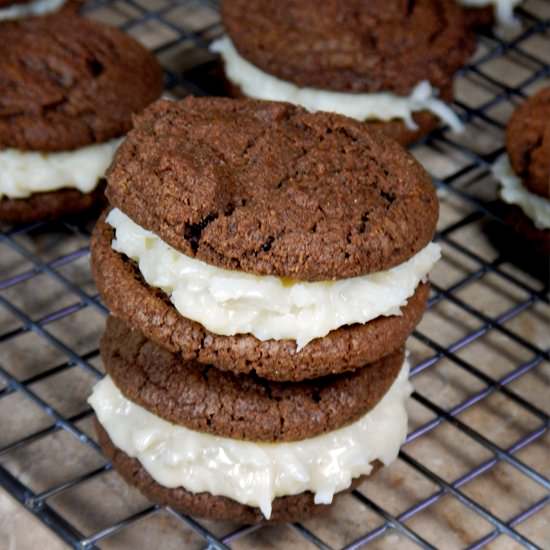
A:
{"x":461,"y":184}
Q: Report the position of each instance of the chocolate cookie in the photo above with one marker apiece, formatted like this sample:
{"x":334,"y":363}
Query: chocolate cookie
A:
{"x":51,"y":205}
{"x":528,"y":142}
{"x":68,"y":82}
{"x":353,"y":46}
{"x":480,"y":18}
{"x":270,"y":189}
{"x":525,"y":233}
{"x":208,"y":400}
{"x":284,"y":509}
{"x":150,"y":311}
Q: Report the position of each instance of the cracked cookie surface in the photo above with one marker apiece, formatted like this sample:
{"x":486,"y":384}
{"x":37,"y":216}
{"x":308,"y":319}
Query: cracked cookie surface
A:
{"x":355,"y":46}
{"x":205,"y":399}
{"x":270,"y":189}
{"x":528,"y":142}
{"x":68,"y":82}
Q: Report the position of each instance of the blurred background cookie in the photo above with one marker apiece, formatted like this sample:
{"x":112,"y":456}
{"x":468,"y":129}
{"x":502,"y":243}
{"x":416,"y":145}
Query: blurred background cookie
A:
{"x":69,"y":89}
{"x":524,"y":171}
{"x":388,"y":62}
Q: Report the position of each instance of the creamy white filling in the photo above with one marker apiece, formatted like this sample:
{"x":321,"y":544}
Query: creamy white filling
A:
{"x":504,"y":9}
{"x":377,"y":106}
{"x":23,"y":173}
{"x":255,"y":473}
{"x":232,"y":302}
{"x":513,"y":191}
{"x":38,"y":7}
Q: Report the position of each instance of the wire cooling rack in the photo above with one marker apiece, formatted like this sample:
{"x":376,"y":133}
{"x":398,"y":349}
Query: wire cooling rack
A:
{"x":475,"y":469}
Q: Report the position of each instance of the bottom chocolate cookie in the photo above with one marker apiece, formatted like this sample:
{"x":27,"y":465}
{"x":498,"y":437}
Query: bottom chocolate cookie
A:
{"x":425,"y":121}
{"x":524,"y":230}
{"x":518,"y":242}
{"x":50,"y":205}
{"x":205,"y":505}
{"x":480,"y":18}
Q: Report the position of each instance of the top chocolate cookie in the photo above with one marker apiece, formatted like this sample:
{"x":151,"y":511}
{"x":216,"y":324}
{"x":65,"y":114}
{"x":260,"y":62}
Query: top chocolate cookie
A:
{"x":270,"y":189}
{"x":356,"y":46}
{"x":528,"y":142}
{"x":68,"y":82}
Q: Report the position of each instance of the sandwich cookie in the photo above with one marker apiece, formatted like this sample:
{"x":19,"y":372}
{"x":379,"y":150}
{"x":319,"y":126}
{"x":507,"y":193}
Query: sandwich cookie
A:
{"x":259,"y":237}
{"x":237,"y":447}
{"x":70,"y":87}
{"x":524,"y":170}
{"x":390,"y":63}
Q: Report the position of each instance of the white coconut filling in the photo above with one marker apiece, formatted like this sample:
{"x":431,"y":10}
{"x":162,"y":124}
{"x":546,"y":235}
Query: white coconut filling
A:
{"x":233,"y":302}
{"x":39,"y":7}
{"x":23,"y":173}
{"x":255,"y":473}
{"x":513,"y":191}
{"x":257,"y":84}
{"x":504,"y":9}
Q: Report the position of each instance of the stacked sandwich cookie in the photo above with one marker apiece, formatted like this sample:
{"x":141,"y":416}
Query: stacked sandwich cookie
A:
{"x":264,"y":267}
{"x":69,"y":89}
{"x":390,"y":63}
{"x":524,"y":171}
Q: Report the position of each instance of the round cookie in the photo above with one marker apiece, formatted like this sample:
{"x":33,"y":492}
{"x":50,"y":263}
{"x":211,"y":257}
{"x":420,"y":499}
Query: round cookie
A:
{"x":353,"y":46}
{"x":51,"y":205}
{"x":528,"y":142}
{"x":206,"y":505}
{"x":68,"y":82}
{"x":274,"y":198}
{"x":150,"y":311}
{"x":208,"y":400}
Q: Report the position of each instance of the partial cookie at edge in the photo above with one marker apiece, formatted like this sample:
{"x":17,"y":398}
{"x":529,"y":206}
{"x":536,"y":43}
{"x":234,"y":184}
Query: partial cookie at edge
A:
{"x":150,"y":311}
{"x":528,"y":143}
